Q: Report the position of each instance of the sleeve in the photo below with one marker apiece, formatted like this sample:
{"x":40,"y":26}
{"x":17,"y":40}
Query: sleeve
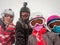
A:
{"x":31,"y":40}
{"x":2,"y":36}
{"x":51,"y":36}
{"x":28,"y":42}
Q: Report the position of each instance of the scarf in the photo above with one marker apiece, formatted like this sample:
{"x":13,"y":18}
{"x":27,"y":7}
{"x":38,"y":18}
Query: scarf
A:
{"x":39,"y":37}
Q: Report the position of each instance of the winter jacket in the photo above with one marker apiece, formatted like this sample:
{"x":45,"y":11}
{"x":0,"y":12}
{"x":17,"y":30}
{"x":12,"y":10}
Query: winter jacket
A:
{"x":55,"y":39}
{"x":7,"y":34}
{"x":50,"y":37}
{"x":23,"y":30}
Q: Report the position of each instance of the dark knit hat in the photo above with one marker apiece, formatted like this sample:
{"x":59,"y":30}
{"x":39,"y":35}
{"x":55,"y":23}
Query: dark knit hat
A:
{"x":24,"y":8}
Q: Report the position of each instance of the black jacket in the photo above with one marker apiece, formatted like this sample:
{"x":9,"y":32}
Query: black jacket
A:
{"x":23,"y":30}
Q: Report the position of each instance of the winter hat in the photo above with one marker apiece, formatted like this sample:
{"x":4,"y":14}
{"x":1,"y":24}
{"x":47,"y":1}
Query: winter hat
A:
{"x":53,"y":18}
{"x":24,"y":8}
{"x":36,"y":16}
{"x":8,"y":11}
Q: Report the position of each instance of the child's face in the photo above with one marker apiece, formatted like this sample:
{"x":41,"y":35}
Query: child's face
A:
{"x":56,"y":23}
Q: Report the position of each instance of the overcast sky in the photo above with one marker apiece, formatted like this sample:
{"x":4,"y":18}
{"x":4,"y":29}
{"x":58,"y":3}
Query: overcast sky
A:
{"x":46,"y":7}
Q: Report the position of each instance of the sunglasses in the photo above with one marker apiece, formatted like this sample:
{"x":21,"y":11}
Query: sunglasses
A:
{"x":51,"y":25}
{"x":34,"y":21}
{"x":9,"y":16}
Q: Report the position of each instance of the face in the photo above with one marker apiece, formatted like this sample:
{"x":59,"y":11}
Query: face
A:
{"x":56,"y":23}
{"x":8,"y":18}
{"x":25,"y":15}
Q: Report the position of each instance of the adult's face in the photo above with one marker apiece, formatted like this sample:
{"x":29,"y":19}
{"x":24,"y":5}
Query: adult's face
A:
{"x":24,"y":15}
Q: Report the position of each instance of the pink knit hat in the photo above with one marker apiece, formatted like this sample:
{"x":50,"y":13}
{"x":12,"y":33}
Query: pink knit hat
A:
{"x":53,"y":17}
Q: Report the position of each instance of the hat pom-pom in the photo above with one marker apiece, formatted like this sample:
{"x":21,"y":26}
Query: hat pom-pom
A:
{"x":25,"y":4}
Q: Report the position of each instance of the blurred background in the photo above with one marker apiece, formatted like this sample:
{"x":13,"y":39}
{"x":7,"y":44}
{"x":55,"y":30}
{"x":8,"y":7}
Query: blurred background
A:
{"x":46,"y":7}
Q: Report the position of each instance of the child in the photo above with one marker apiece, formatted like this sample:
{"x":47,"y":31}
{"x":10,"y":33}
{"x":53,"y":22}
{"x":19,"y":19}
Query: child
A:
{"x":53,"y":25}
{"x":39,"y":35}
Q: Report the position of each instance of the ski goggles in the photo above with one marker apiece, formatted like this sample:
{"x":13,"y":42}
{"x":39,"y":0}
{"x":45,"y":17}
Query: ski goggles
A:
{"x":52,"y":24}
{"x":33,"y":22}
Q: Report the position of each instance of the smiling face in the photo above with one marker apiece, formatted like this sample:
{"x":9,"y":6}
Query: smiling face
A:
{"x":24,"y":15}
{"x":8,"y":18}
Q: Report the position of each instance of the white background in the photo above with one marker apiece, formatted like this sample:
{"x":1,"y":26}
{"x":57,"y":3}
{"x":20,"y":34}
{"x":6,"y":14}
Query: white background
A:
{"x":46,"y":7}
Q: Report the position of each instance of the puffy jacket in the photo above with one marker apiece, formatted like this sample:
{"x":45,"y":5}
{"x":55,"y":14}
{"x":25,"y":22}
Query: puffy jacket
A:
{"x":7,"y":34}
{"x":23,"y":30}
{"x":50,"y":37}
